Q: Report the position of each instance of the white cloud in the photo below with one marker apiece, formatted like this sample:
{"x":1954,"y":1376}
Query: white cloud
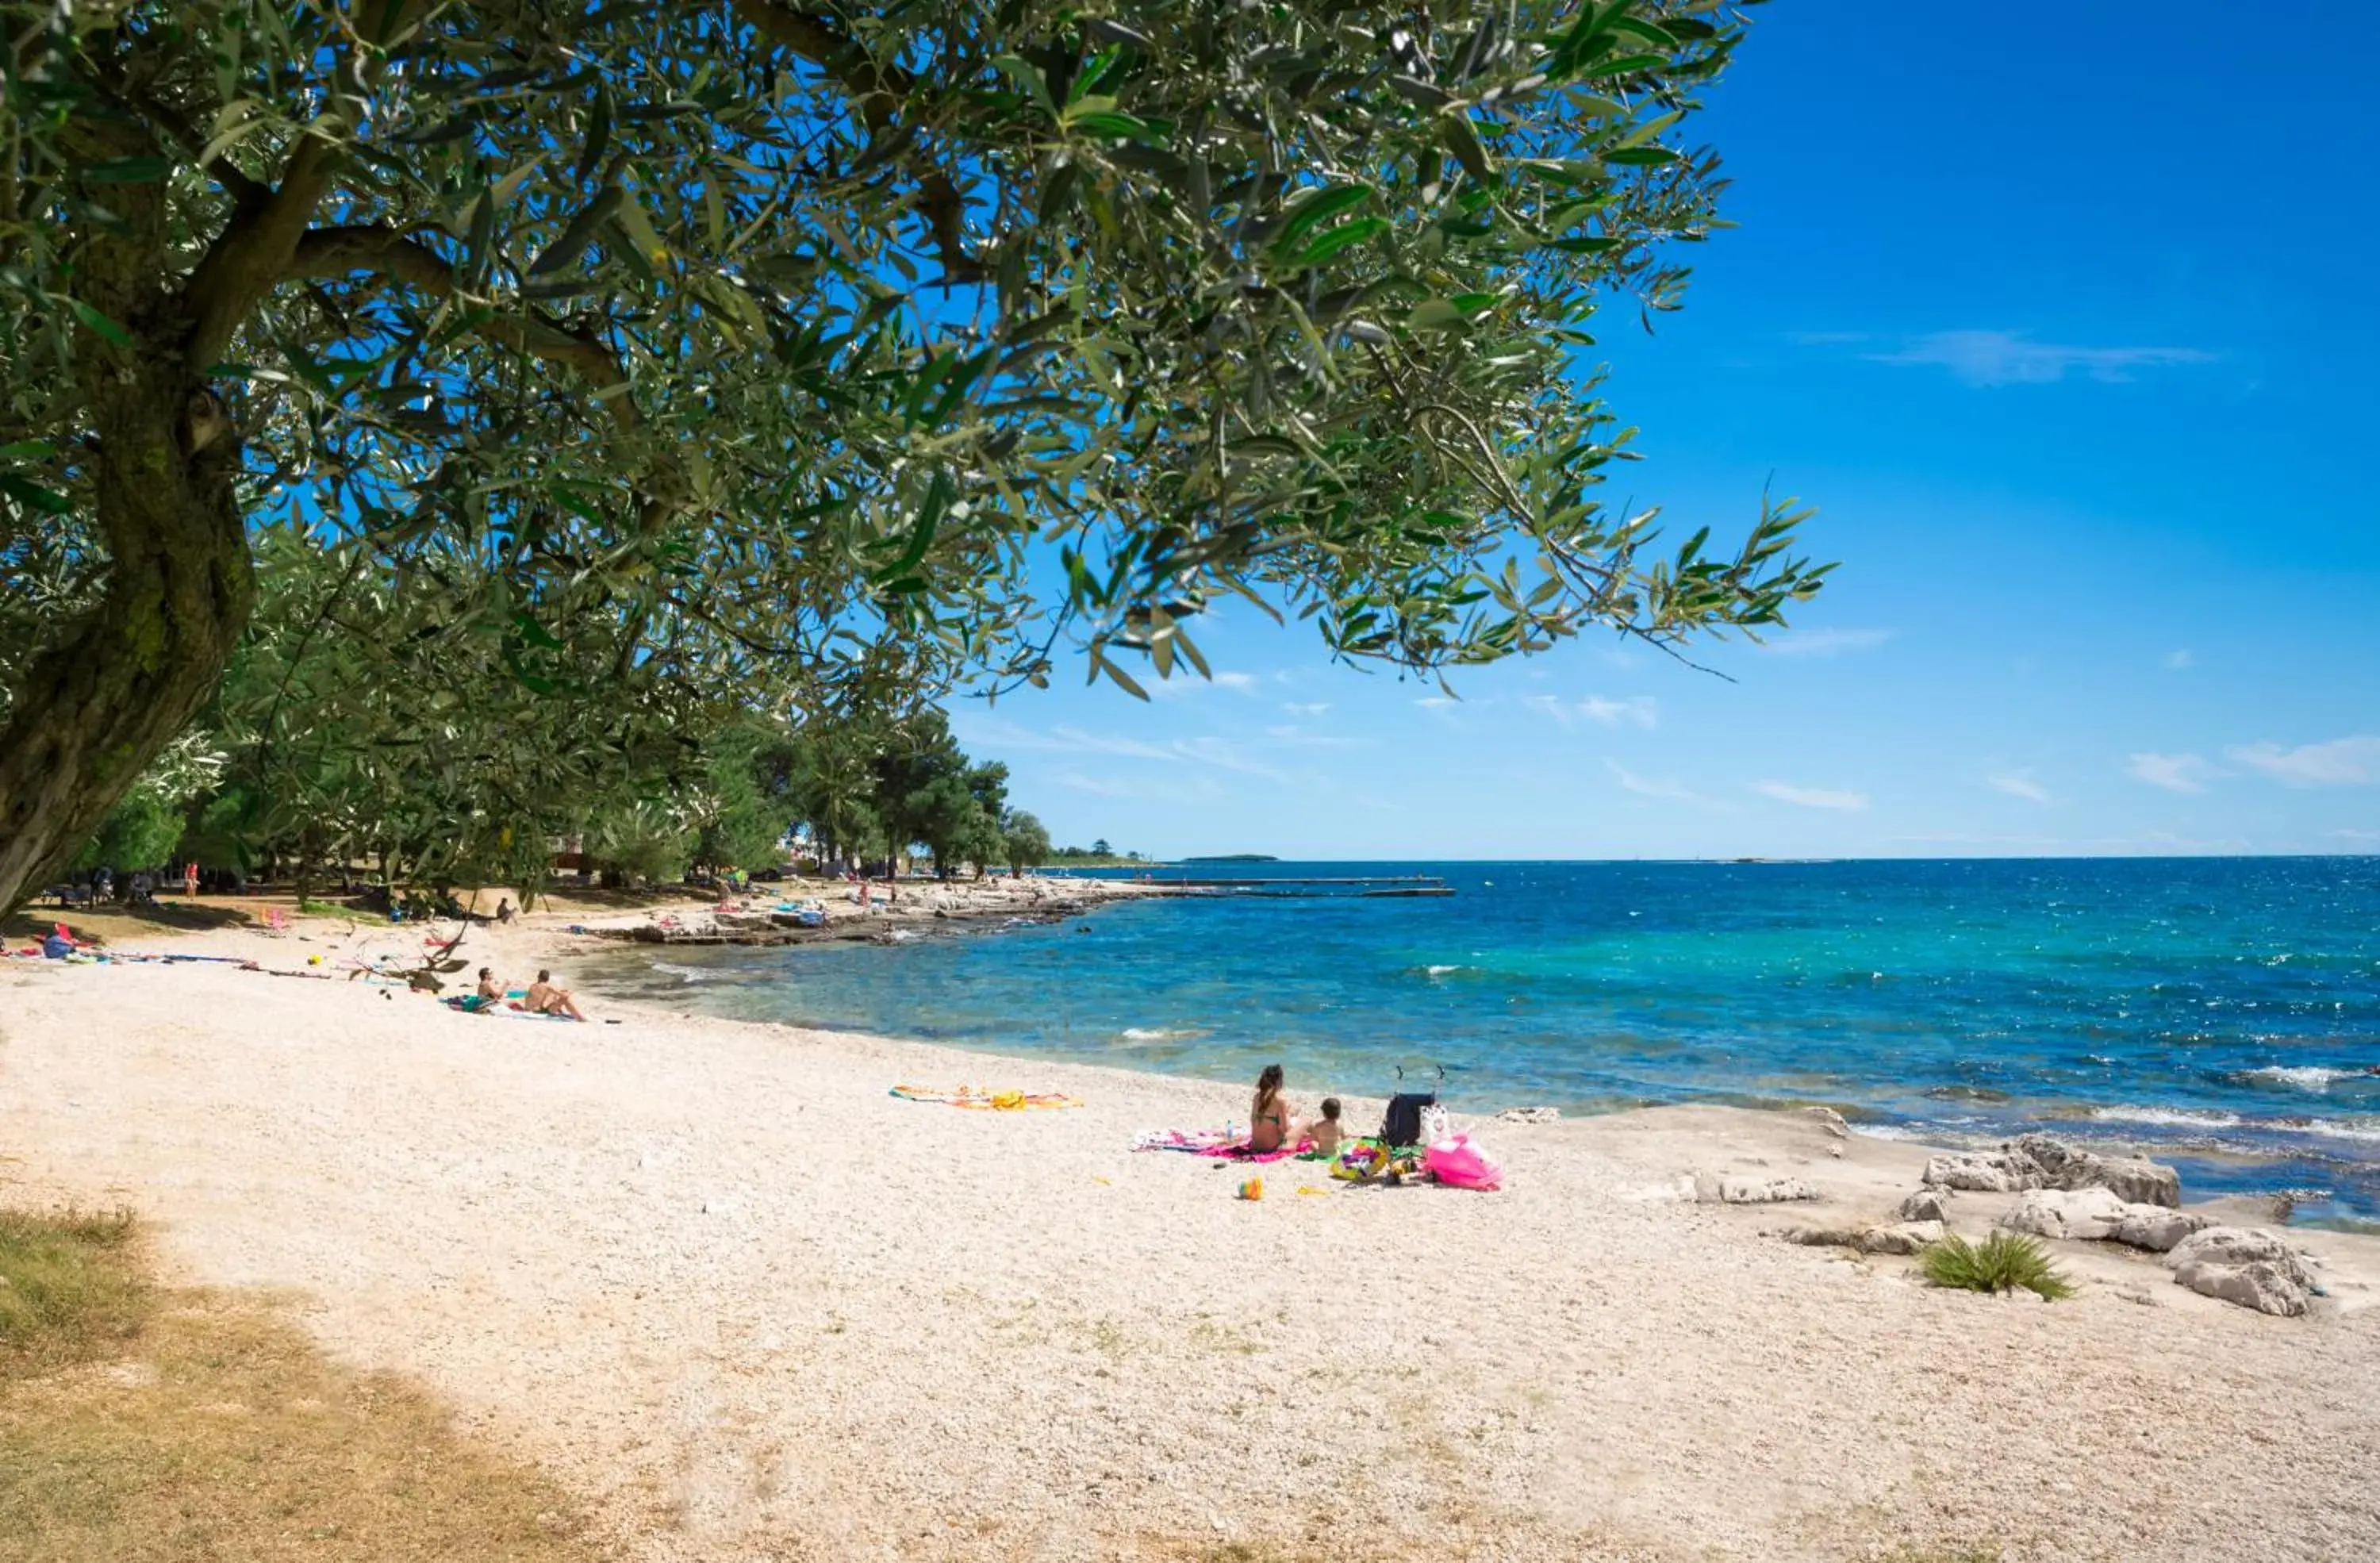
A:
{"x":1436,"y":702}
{"x":2176,"y":661}
{"x":1290,"y":735}
{"x":1826,"y":642}
{"x":2009,"y":357}
{"x":2366,"y":838}
{"x":1194,"y":790}
{"x":1305,"y":708}
{"x":1219,"y":753}
{"x":1811,"y":798}
{"x":2018,"y":784}
{"x":2175,"y":773}
{"x":1649,"y":786}
{"x":1637,"y":710}
{"x":2342,"y":762}
{"x":1186,"y":682}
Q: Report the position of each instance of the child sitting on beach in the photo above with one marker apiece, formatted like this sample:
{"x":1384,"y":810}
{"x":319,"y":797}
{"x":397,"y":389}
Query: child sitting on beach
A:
{"x":1324,"y":1132}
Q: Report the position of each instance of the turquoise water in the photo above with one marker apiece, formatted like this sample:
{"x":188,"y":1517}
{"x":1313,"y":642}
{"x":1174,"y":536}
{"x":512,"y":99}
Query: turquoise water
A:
{"x":2222,"y":1010}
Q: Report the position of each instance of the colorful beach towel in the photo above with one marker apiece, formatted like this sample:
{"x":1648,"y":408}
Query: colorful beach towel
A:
{"x":1210,"y":1142}
{"x":985,"y":1100}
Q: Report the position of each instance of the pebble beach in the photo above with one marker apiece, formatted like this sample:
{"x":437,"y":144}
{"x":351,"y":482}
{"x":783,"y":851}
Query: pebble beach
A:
{"x":716,"y":1279}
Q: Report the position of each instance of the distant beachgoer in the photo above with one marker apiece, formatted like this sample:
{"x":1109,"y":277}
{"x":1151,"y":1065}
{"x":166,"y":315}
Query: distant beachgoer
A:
{"x":544,"y":999}
{"x":191,"y":880}
{"x":504,"y":909}
{"x":490,"y":988}
{"x":1270,"y":1114}
{"x":1324,"y":1132}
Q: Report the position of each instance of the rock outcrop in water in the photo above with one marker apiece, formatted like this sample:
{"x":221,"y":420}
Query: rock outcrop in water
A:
{"x":2040,"y":1161}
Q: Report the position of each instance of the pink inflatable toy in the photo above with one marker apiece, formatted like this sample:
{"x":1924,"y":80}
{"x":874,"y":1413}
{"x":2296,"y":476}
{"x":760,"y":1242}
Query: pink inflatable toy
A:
{"x":1458,"y":1164}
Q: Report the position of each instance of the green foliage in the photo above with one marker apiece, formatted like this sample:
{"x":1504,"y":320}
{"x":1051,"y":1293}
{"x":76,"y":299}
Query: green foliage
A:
{"x":2002,"y":1262}
{"x":833,"y":354}
{"x":1025,"y":840}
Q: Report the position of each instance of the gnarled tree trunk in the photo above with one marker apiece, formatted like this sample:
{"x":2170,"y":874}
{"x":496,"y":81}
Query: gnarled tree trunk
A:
{"x":123,"y":683}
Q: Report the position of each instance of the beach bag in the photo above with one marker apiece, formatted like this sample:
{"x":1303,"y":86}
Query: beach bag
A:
{"x":1435,"y":1125}
{"x":1402,"y":1125}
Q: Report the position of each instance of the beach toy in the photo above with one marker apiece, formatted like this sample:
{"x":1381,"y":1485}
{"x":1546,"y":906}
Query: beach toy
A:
{"x":1458,"y":1164}
{"x":1252,"y":1189}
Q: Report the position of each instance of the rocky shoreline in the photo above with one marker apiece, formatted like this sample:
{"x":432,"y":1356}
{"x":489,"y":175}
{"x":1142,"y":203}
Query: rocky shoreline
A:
{"x":909,"y":910}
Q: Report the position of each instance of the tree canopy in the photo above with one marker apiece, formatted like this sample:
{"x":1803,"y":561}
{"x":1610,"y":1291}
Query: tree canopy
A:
{"x":824,"y":356}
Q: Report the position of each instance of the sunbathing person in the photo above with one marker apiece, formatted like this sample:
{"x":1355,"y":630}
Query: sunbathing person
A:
{"x":1270,"y":1114}
{"x":544,"y":999}
{"x":490,"y":990}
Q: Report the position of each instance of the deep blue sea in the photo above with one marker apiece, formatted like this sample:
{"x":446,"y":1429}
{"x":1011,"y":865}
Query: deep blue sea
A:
{"x":2222,"y":1010}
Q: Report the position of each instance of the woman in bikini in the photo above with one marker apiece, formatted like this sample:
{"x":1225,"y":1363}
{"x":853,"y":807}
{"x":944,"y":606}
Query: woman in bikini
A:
{"x":1268,"y":1116}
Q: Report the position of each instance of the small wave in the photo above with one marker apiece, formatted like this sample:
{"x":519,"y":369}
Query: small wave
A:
{"x":2363,"y":1129}
{"x":2303,"y":1077}
{"x":1159,"y":1033}
{"x":684,"y":974}
{"x":2172,"y":1118}
{"x":1889,"y":1132}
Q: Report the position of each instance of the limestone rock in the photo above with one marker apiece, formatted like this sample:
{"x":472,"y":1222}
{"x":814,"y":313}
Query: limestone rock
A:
{"x":2056,"y":1213}
{"x":1762,"y":1191}
{"x":1984,"y":1172}
{"x":1926,"y":1204}
{"x":1830,"y":1121}
{"x":2266,"y":1287}
{"x":2240,"y":1245}
{"x":1529,"y":1115}
{"x":2247,"y":1266}
{"x":2134,"y":1180}
{"x":2155,"y":1228}
{"x":1904,"y":1237}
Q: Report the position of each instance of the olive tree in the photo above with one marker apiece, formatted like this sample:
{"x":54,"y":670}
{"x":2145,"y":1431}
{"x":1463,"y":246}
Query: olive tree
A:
{"x":867,"y":346}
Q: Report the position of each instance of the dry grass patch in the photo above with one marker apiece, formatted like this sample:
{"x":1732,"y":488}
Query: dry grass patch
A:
{"x":139,"y":1425}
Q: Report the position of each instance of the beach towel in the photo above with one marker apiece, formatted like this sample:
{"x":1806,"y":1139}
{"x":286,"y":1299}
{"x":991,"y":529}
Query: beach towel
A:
{"x":985,"y":1100}
{"x":1211,"y":1143}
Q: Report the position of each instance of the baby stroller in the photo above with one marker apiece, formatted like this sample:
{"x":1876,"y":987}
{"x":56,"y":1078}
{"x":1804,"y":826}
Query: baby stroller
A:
{"x":1401,"y":1124}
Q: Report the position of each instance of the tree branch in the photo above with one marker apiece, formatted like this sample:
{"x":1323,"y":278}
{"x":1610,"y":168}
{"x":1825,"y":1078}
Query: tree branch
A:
{"x":875,"y":89}
{"x":333,"y":252}
{"x":248,"y":258}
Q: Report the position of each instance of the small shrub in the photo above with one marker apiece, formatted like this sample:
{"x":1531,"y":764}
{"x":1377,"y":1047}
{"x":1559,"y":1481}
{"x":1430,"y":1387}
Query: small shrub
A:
{"x":2002,"y":1262}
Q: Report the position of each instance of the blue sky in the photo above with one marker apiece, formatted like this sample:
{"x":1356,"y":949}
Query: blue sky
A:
{"x":2068,"y":335}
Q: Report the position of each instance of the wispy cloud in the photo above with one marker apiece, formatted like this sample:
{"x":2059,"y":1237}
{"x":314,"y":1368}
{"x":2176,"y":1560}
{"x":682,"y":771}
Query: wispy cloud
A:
{"x":1436,"y":702}
{"x":1811,"y":798}
{"x":1191,"y":789}
{"x":2342,"y":762}
{"x":2179,"y":662}
{"x":1637,"y":710}
{"x":2012,"y":357}
{"x":2175,"y":773}
{"x":1305,"y":708}
{"x":2018,"y":784}
{"x":1826,"y":642}
{"x":1290,"y":735}
{"x":1220,"y":754}
{"x":1186,"y":682}
{"x":1652,"y":786}
{"x":2366,"y":838}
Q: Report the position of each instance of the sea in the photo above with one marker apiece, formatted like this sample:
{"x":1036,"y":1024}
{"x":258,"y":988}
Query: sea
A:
{"x":2223,"y":1014}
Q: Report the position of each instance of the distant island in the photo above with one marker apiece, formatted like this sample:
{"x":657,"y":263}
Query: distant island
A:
{"x":1236,"y":857}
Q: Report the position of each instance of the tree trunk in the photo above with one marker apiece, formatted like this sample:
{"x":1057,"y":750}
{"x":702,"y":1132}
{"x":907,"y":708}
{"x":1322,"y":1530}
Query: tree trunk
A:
{"x":124,"y":682}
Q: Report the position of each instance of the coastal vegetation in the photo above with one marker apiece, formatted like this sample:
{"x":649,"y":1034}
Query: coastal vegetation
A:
{"x":2002,"y":1262}
{"x":529,"y":385}
{"x":140,"y":1422}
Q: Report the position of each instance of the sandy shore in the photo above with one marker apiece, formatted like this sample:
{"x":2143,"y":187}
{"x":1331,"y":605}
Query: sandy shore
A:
{"x":714,"y":1277}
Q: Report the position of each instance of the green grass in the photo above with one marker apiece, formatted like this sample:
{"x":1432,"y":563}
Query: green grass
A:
{"x":2002,"y":1262}
{"x":70,"y":1289}
{"x":334,"y":909}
